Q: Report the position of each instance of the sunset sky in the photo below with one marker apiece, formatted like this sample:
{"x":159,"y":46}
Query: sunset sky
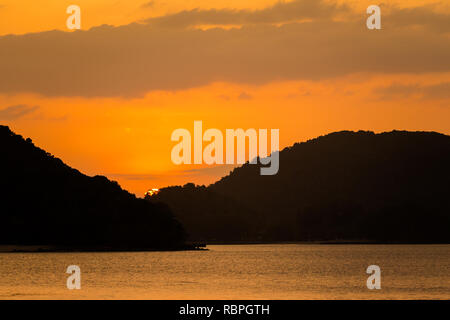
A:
{"x":107,"y":98}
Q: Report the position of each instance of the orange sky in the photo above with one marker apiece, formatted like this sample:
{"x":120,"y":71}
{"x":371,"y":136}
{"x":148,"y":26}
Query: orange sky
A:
{"x":24,"y":16}
{"x":117,"y":120}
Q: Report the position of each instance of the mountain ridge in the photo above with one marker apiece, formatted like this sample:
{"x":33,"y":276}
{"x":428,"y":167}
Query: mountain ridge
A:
{"x":46,"y":202}
{"x":385,"y":187}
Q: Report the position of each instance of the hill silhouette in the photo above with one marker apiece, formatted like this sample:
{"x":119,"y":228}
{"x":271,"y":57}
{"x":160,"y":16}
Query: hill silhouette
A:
{"x":45,"y":202}
{"x":208,"y":215}
{"x":349,"y":186}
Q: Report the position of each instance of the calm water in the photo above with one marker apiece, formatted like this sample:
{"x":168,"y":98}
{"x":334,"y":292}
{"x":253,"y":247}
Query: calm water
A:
{"x":234,"y":272}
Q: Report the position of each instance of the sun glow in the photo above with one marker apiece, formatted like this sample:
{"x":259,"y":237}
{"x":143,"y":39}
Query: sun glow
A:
{"x":152,"y":192}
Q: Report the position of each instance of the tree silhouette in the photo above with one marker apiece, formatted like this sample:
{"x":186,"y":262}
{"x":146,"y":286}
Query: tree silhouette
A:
{"x":45,"y":202}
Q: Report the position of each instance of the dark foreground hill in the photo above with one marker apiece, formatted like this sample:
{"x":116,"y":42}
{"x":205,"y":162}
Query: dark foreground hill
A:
{"x":45,"y":202}
{"x":355,"y":186}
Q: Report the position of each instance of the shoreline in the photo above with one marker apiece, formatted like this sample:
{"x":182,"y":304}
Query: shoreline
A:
{"x":59,"y":249}
{"x":188,"y":247}
{"x":334,"y":242}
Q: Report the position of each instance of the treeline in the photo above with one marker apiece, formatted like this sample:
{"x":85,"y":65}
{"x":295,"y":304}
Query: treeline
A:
{"x":208,"y":215}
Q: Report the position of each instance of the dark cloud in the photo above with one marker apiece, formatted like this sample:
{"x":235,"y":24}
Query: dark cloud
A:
{"x":427,"y":16}
{"x":16,"y":112}
{"x":281,"y":12}
{"x":396,"y":90}
{"x":134,"y":59}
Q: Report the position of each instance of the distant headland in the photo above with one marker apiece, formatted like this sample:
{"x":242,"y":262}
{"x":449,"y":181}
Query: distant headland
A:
{"x":344,"y":187}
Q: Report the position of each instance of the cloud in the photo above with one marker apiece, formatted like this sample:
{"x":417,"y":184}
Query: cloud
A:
{"x":216,"y":170}
{"x":244,"y":96}
{"x":219,"y":170}
{"x":431,"y":92}
{"x":281,"y":12}
{"x":428,"y":16}
{"x":16,"y":112}
{"x":43,"y":117}
{"x":135,"y":177}
{"x":149,"y":4}
{"x":129,"y":61}
{"x":438,"y":91}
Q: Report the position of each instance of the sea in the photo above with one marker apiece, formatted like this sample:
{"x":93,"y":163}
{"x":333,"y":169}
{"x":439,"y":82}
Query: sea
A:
{"x":257,"y":271}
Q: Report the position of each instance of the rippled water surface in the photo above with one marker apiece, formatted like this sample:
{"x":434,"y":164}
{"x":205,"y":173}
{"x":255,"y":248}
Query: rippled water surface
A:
{"x":233,"y":272}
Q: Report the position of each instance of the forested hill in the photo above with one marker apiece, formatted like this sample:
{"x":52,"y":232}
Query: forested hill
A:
{"x":45,"y":202}
{"x":388,"y":187}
